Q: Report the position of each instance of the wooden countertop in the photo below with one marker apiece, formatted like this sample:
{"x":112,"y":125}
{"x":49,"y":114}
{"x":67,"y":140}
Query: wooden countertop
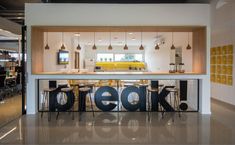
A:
{"x":116,"y":73}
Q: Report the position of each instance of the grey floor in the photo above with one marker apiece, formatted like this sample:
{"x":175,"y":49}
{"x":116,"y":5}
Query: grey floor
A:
{"x":124,"y":128}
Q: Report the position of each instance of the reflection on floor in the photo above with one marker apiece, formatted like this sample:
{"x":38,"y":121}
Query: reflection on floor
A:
{"x":10,"y":109}
{"x":123,"y":128}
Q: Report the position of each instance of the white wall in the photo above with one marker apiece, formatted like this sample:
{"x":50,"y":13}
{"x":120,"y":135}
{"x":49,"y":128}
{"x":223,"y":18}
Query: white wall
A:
{"x":117,"y":15}
{"x":159,"y":60}
{"x":55,"y":42}
{"x":223,"y":33}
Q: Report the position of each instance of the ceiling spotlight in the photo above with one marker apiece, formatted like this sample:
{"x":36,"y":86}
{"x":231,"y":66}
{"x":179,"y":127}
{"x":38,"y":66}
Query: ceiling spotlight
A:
{"x":77,"y":34}
{"x":157,"y":47}
{"x":130,"y":33}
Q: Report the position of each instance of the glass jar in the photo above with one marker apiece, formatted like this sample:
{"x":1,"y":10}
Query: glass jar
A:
{"x":172,"y":68}
{"x":181,"y":68}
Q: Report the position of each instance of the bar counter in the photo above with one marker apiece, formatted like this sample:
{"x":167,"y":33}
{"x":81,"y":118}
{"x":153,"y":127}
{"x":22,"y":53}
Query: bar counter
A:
{"x":119,"y":75}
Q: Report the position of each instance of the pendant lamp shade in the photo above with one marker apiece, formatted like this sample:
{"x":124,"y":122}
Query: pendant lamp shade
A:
{"x":141,"y":39}
{"x":157,"y":47}
{"x":62,"y":46}
{"x":172,"y":46}
{"x":188,"y":46}
{"x":94,"y":46}
{"x":110,"y":41}
{"x":47,"y":46}
{"x":125,"y":46}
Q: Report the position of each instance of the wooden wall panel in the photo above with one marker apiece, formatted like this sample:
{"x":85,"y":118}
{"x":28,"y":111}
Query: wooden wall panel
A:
{"x":37,"y":50}
{"x":199,"y":50}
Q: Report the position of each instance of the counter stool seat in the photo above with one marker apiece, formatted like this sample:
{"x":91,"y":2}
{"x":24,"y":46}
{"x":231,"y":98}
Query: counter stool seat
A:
{"x":45,"y":98}
{"x":87,"y":90}
{"x":175,"y":92}
{"x":66,"y":90}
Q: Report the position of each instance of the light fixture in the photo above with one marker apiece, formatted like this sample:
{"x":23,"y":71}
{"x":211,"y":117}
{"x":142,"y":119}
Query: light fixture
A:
{"x":47,"y":46}
{"x":172,"y":46}
{"x":62,"y":46}
{"x":157,"y":45}
{"x":125,"y":47}
{"x":141,"y":39}
{"x":110,"y":41}
{"x":188,"y":47}
{"x":78,"y":47}
{"x":94,"y":47}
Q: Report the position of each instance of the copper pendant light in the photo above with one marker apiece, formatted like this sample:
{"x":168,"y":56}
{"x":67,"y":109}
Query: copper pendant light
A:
{"x":172,"y":46}
{"x":110,"y":41}
{"x":188,"y":47}
{"x":94,"y":46}
{"x":125,"y":47}
{"x":78,"y":47}
{"x":141,"y":39}
{"x":47,"y":46}
{"x":62,"y":46}
{"x":157,"y":45}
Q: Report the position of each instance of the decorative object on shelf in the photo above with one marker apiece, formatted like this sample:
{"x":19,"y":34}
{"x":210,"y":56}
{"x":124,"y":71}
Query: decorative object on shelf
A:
{"x":47,"y":46}
{"x":172,"y":46}
{"x":78,"y":47}
{"x":94,"y":46}
{"x":141,"y":39}
{"x":180,"y":68}
{"x":62,"y":46}
{"x":172,"y":68}
{"x":157,"y":45}
{"x":188,"y":47}
{"x":110,"y":41}
{"x":125,"y":47}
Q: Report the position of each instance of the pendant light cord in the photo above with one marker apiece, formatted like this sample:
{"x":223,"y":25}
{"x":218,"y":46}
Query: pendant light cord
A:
{"x":172,"y":38}
{"x":62,"y":37}
{"x":110,"y":38}
{"x":94,"y":38}
{"x":188,"y":38}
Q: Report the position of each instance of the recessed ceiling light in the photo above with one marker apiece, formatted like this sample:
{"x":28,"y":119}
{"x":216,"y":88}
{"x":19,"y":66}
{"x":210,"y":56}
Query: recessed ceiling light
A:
{"x":100,"y":40}
{"x":133,"y":38}
{"x":89,"y":43}
{"x":130,"y":33}
{"x":77,"y":34}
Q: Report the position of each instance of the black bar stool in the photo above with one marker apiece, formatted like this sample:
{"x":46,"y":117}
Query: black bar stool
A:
{"x":82,"y":99}
{"x":67,"y":91}
{"x":174,"y":92}
{"x":45,"y":99}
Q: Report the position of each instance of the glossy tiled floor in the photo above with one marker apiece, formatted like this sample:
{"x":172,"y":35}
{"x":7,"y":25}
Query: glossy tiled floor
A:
{"x":124,"y":128}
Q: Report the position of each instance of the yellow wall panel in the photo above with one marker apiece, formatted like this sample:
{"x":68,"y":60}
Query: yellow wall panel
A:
{"x":218,"y":78}
{"x":230,"y":49}
{"x":218,"y":50}
{"x":219,"y":60}
{"x":229,"y":70}
{"x":230,"y":80}
{"x":229,"y":59}
{"x":223,"y":79}
{"x":218,"y":69}
{"x":224,"y":50}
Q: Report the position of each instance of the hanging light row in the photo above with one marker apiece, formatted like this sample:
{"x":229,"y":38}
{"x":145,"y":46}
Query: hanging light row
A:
{"x":173,"y":46}
{"x":110,"y":42}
